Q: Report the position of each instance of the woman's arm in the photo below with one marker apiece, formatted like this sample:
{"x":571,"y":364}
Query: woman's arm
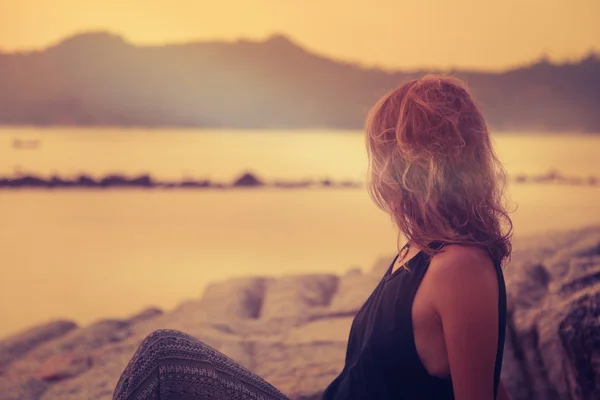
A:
{"x":465,"y":288}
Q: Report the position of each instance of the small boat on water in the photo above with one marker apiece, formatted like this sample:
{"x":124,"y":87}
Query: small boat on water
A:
{"x":20,"y":144}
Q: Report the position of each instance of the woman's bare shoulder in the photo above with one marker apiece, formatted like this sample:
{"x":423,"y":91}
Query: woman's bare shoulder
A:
{"x":464,"y":296}
{"x":455,"y":254}
{"x":458,"y":268}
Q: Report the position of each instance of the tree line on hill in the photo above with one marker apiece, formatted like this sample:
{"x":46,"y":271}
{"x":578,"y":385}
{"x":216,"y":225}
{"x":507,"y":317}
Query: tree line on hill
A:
{"x":99,"y":79}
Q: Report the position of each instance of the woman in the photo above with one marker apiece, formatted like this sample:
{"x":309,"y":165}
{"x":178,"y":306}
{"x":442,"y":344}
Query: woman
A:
{"x":434,"y":326}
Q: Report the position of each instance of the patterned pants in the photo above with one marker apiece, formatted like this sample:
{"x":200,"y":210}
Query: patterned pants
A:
{"x":170,"y":365}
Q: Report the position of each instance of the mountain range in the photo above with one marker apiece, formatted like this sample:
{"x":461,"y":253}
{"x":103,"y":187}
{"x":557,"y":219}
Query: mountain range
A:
{"x":99,"y":79}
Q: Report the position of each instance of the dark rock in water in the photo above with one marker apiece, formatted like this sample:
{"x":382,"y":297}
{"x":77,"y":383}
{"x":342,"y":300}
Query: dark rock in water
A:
{"x":142,"y":180}
{"x":120,"y":181}
{"x":18,"y":345}
{"x":521,"y":179}
{"x":113,"y":180}
{"x":85,"y":181}
{"x":192,"y":184}
{"x":26,"y":181}
{"x":293,"y":185}
{"x":57,"y":181}
{"x":355,"y":271}
{"x":247,"y":180}
{"x":350,"y":184}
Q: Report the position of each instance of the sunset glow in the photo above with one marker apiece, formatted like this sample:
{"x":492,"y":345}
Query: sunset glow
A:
{"x":389,"y":33}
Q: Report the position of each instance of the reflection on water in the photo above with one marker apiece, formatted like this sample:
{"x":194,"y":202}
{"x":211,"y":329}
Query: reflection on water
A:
{"x":91,"y":254}
{"x":222,"y":155}
{"x":86,"y":255}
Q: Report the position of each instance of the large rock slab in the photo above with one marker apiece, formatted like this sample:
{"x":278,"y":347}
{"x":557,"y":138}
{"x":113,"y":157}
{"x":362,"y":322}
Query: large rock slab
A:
{"x":291,"y":300}
{"x":353,"y":290}
{"x":235,"y":299}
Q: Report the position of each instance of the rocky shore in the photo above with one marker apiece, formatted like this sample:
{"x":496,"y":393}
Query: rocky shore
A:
{"x":293,"y":330}
{"x":247,"y":179}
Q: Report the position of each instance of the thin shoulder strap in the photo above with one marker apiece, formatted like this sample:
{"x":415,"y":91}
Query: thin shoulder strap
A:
{"x":501,"y":326}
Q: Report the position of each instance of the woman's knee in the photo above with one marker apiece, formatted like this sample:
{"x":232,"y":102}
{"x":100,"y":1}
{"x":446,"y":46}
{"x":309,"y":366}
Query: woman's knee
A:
{"x":162,"y":339}
{"x":160,"y":334}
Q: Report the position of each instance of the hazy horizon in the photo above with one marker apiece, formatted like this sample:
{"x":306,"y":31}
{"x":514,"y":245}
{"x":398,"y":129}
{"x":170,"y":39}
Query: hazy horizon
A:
{"x":461,"y":35}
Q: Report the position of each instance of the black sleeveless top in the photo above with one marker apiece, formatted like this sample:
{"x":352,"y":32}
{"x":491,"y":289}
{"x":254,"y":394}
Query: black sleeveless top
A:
{"x":381,"y":359}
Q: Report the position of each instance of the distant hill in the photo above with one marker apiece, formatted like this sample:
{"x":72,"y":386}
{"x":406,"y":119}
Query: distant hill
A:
{"x":99,"y":79}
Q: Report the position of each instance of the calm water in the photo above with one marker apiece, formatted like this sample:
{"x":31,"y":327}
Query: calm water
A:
{"x":274,"y":155}
{"x":85,"y":255}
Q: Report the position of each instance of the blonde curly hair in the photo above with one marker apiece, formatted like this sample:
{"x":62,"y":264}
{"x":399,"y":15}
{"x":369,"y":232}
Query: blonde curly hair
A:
{"x":433,"y":169}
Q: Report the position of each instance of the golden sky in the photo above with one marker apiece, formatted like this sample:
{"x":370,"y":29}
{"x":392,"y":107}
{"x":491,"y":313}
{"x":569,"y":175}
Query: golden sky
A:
{"x":483,"y":34}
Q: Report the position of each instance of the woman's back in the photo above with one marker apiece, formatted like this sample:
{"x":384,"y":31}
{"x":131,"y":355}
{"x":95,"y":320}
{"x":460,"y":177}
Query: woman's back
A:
{"x":382,"y":359}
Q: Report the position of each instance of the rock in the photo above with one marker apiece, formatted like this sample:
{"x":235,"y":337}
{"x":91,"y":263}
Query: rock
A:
{"x":247,"y":180}
{"x":76,"y":345}
{"x":299,"y":369}
{"x":226,"y":307}
{"x":381,"y":266}
{"x":332,"y":330}
{"x":18,"y":345}
{"x":553,"y":319}
{"x":580,"y":335}
{"x":237,"y":299}
{"x":145,"y":315}
{"x":86,"y":339}
{"x":353,"y":272}
{"x":352,"y":292}
{"x":64,"y":365}
{"x":22,"y":388}
{"x":291,"y":300}
{"x":242,"y":351}
{"x":514,"y":376}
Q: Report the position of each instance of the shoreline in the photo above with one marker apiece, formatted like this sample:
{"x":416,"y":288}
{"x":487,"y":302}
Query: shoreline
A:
{"x":246,"y":180}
